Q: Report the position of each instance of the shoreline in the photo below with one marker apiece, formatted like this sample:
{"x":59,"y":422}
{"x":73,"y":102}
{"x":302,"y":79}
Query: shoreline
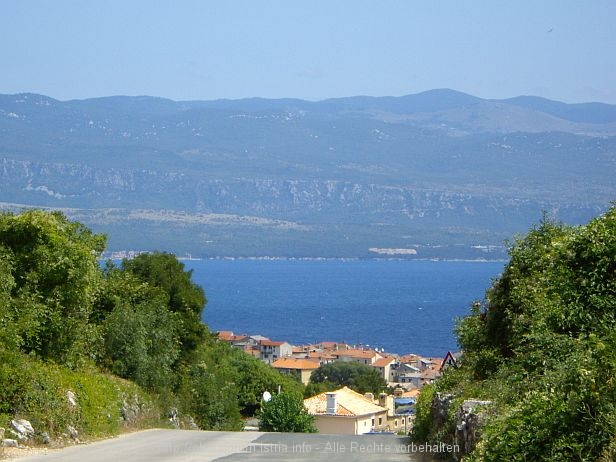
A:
{"x":132,"y":254}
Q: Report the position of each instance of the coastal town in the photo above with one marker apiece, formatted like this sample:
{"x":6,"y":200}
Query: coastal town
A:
{"x":345,"y":411}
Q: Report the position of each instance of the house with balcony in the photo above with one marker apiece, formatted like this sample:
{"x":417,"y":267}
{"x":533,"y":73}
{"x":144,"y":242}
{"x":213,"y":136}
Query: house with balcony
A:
{"x":270,"y":351}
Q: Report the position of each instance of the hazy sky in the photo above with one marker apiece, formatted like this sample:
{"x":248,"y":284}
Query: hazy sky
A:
{"x":313,"y":49}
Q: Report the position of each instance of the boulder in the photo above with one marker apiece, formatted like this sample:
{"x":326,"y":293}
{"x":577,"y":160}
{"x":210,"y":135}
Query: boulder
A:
{"x":45,"y":439}
{"x":130,"y":411}
{"x":190,"y":424}
{"x":174,"y":417}
{"x":71,"y":431}
{"x":72,"y":399}
{"x":22,"y":428}
{"x":10,"y":443}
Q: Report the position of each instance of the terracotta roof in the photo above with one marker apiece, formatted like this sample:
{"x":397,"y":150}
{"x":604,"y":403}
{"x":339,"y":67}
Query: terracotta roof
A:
{"x":382,"y":362}
{"x":430,"y":374}
{"x":409,"y":358}
{"x":295,"y":363}
{"x":226,"y":335}
{"x":348,"y":403}
{"x":365,"y":354}
{"x":320,"y":354}
{"x":414,"y":393}
{"x":270,"y":343}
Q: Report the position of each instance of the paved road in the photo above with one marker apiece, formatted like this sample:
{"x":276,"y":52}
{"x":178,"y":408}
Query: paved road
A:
{"x":189,"y":446}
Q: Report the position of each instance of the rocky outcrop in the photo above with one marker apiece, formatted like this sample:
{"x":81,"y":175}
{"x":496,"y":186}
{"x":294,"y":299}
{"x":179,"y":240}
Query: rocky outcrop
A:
{"x":470,"y":417}
{"x":467,"y":421}
{"x":440,"y":409}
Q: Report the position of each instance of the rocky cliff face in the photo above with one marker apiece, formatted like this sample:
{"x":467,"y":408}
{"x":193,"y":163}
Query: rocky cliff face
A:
{"x":82,"y":186}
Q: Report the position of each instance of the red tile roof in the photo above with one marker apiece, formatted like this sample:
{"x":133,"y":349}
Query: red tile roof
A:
{"x":295,"y":363}
{"x":382,"y":362}
{"x":409,"y":358}
{"x":226,"y":335}
{"x":320,"y":354}
{"x":414,"y":393}
{"x":271,"y":343}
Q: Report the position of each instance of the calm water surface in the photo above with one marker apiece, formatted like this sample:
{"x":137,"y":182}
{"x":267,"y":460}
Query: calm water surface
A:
{"x":401,"y":306}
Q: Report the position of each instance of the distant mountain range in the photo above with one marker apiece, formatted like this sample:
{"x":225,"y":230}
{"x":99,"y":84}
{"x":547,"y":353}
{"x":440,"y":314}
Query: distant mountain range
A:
{"x":440,"y":174}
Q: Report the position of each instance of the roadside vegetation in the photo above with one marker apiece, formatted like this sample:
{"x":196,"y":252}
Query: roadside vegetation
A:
{"x":285,"y":412}
{"x":542,"y":349}
{"x":95,"y":349}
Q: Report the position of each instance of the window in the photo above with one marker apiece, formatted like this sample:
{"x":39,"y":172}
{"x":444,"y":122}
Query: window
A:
{"x":380,"y":421}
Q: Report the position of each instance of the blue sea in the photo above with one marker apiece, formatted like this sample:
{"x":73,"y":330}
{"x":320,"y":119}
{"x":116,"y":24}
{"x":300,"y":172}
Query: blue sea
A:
{"x":401,"y":306}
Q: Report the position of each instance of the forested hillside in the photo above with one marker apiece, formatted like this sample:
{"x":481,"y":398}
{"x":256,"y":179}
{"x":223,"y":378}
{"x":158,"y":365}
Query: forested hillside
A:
{"x":541,"y":351}
{"x":87,"y":351}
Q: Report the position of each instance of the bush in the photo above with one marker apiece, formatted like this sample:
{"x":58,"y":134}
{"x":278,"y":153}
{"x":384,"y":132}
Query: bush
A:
{"x":37,"y":391}
{"x":285,"y":412}
{"x":542,"y":348}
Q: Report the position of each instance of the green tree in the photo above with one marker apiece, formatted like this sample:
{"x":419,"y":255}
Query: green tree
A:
{"x":253,"y":377}
{"x":55,"y":277}
{"x":140,"y":344}
{"x":285,"y":412}
{"x":359,"y":377}
{"x":184,"y":297}
{"x":209,"y":389}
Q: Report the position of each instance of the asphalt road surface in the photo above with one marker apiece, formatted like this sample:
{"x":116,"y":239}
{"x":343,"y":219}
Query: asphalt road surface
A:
{"x":185,"y":446}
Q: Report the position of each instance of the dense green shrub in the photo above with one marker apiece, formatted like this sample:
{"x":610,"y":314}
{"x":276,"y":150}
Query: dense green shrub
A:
{"x":543,"y":349}
{"x":285,"y":412}
{"x":37,"y":391}
{"x":226,"y":383}
{"x":55,"y":276}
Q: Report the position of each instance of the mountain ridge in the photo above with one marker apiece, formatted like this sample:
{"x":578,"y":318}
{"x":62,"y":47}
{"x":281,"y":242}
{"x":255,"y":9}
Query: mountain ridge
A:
{"x":427,"y":101}
{"x":445,"y":168}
